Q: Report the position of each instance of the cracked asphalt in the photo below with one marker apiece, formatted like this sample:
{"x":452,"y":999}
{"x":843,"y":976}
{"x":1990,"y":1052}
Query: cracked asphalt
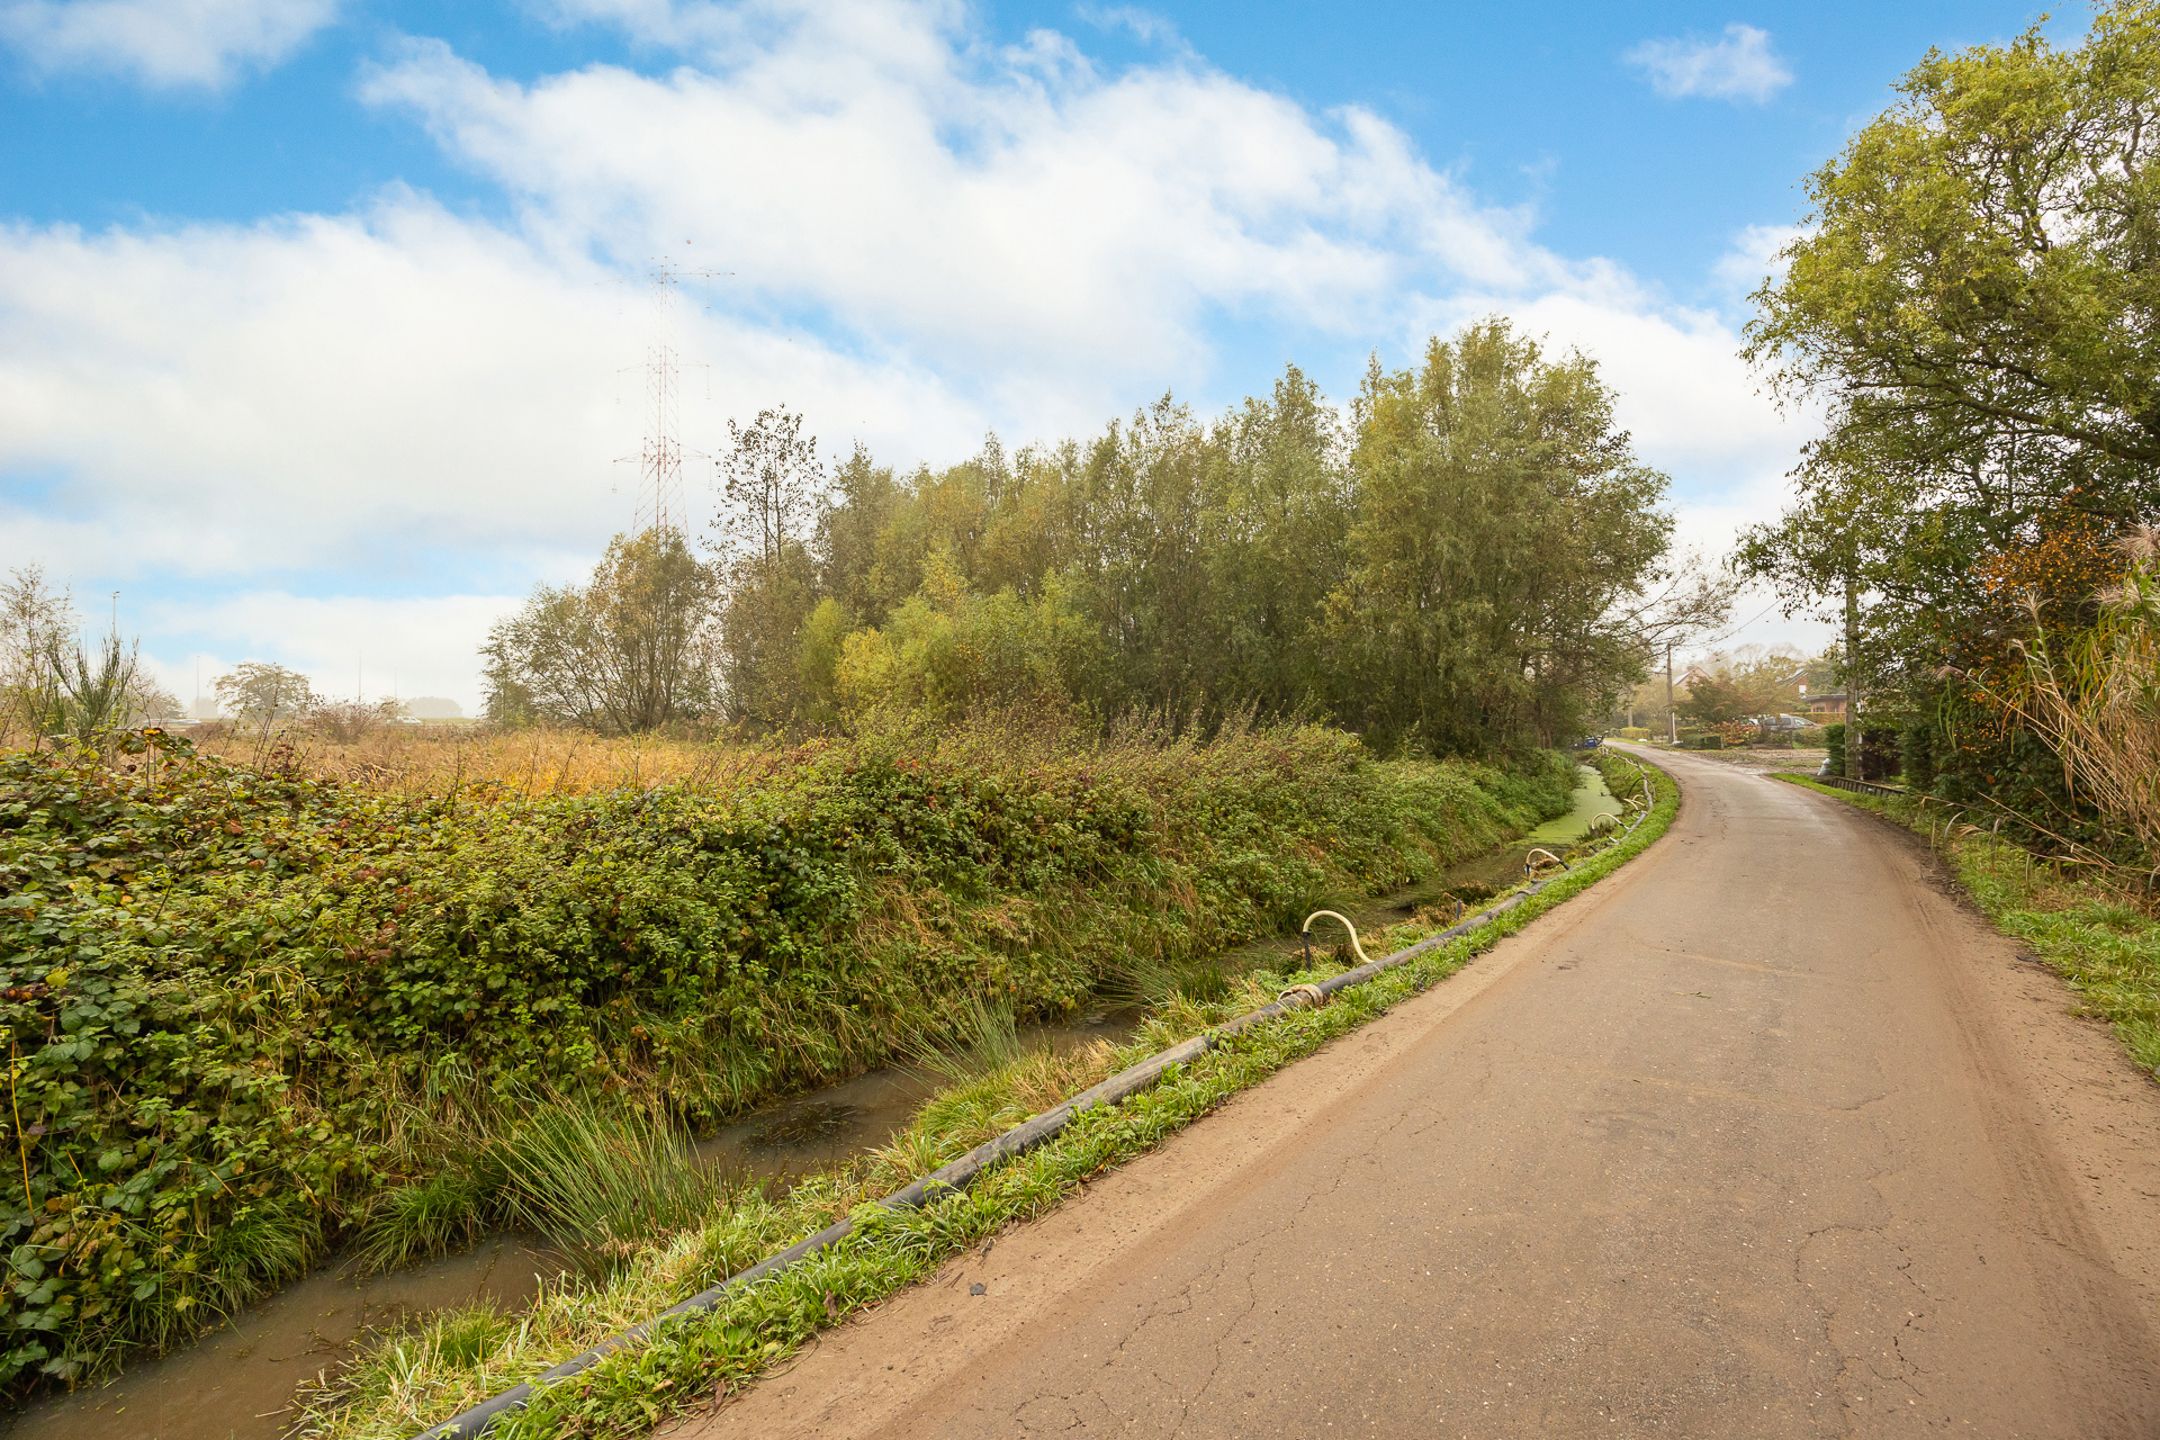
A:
{"x":1763,"y":1136}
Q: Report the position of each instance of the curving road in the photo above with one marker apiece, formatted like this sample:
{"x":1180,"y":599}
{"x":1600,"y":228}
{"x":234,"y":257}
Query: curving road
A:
{"x":1764,"y":1136}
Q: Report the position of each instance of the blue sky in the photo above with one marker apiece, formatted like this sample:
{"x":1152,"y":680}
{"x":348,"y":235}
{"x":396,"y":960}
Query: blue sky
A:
{"x":314,"y":313}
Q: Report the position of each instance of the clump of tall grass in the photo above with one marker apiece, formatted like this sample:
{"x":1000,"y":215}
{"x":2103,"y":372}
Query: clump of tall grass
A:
{"x":429,"y":1216}
{"x":1132,"y":982}
{"x":596,"y":1181}
{"x":592,"y":1178}
{"x":983,"y":1035}
{"x":978,"y":1105}
{"x":2098,"y":704}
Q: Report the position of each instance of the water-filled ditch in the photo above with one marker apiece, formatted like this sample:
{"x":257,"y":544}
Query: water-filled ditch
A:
{"x":238,"y":1382}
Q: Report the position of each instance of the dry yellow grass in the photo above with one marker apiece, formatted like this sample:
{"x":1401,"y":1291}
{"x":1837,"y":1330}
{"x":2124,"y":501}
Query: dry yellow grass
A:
{"x":429,"y":759}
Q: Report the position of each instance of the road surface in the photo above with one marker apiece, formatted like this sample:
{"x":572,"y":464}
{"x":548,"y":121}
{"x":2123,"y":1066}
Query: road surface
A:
{"x":1762,"y":1136}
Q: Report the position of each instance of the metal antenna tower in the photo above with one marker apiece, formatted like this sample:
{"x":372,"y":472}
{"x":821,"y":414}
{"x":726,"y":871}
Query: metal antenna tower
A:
{"x":661,"y":503}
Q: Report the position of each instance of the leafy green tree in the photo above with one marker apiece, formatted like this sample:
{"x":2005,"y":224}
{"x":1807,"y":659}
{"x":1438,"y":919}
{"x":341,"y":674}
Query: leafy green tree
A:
{"x":1472,"y":558}
{"x":1742,"y":689}
{"x":34,"y":622}
{"x":949,"y":651}
{"x":819,"y":648}
{"x":1982,"y":264}
{"x":773,"y":482}
{"x":769,"y":598}
{"x":1503,"y":524}
{"x":1279,"y":544}
{"x":1714,"y":700}
{"x":631,"y":650}
{"x":854,"y":540}
{"x":262,"y":695}
{"x":1972,"y":303}
{"x":776,"y":489}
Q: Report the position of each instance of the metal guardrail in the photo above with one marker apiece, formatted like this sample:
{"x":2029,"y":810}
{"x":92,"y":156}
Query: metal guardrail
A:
{"x":1862,"y":787}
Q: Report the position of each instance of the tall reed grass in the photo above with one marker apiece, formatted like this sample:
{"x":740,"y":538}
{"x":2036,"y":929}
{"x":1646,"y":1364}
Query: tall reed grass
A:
{"x":2098,"y":702}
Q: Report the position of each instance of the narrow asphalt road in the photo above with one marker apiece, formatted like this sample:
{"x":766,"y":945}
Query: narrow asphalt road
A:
{"x":1764,"y":1136}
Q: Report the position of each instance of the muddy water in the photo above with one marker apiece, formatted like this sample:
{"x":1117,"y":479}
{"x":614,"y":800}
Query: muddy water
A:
{"x":839,"y":1122}
{"x":1470,"y":881}
{"x":238,"y":1383}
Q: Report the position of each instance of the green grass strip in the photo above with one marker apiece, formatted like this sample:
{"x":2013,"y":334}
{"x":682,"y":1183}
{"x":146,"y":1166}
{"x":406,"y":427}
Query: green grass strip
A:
{"x":2087,"y":932}
{"x":458,"y":1359}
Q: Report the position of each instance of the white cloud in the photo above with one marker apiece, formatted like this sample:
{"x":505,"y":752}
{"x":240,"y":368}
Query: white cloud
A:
{"x":367,"y":391}
{"x":1756,"y":255}
{"x":1740,"y":66}
{"x":1684,"y":394}
{"x":1145,"y":26}
{"x":342,"y":643}
{"x":1005,"y":221}
{"x":163,"y":43}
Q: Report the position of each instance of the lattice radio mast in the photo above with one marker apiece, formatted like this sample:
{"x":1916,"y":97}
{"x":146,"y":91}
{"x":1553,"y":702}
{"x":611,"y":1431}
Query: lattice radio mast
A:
{"x":661,"y":503}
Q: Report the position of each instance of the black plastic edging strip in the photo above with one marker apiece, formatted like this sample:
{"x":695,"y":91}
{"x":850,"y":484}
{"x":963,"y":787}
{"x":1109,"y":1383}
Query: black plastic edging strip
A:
{"x":963,"y":1172}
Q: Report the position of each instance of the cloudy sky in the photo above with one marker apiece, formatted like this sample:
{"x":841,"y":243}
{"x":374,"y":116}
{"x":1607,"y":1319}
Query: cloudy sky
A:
{"x":319,"y":319}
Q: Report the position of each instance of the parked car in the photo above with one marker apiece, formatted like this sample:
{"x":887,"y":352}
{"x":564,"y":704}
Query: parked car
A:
{"x":1589,"y":742}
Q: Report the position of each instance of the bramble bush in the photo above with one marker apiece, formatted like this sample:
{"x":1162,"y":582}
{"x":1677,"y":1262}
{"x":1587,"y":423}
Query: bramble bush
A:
{"x":244,"y":1008}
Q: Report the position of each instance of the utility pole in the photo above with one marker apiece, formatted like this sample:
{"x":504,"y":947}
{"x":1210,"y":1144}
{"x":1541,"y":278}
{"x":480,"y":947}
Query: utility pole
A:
{"x":1853,"y":767}
{"x":1672,"y":716}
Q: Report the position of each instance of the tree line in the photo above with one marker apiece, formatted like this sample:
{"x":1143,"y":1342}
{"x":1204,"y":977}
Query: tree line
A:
{"x":1468,"y":556}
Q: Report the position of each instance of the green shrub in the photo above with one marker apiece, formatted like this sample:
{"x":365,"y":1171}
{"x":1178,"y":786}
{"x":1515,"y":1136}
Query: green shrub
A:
{"x":248,"y":1013}
{"x":1916,"y":754}
{"x":1881,"y":756}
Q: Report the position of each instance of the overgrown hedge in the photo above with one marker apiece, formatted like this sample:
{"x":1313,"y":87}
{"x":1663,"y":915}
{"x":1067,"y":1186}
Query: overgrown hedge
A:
{"x":233,"y":998}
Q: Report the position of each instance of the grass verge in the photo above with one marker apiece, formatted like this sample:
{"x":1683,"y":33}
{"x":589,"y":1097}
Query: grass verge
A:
{"x":2085,"y":930}
{"x":456,"y":1359}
